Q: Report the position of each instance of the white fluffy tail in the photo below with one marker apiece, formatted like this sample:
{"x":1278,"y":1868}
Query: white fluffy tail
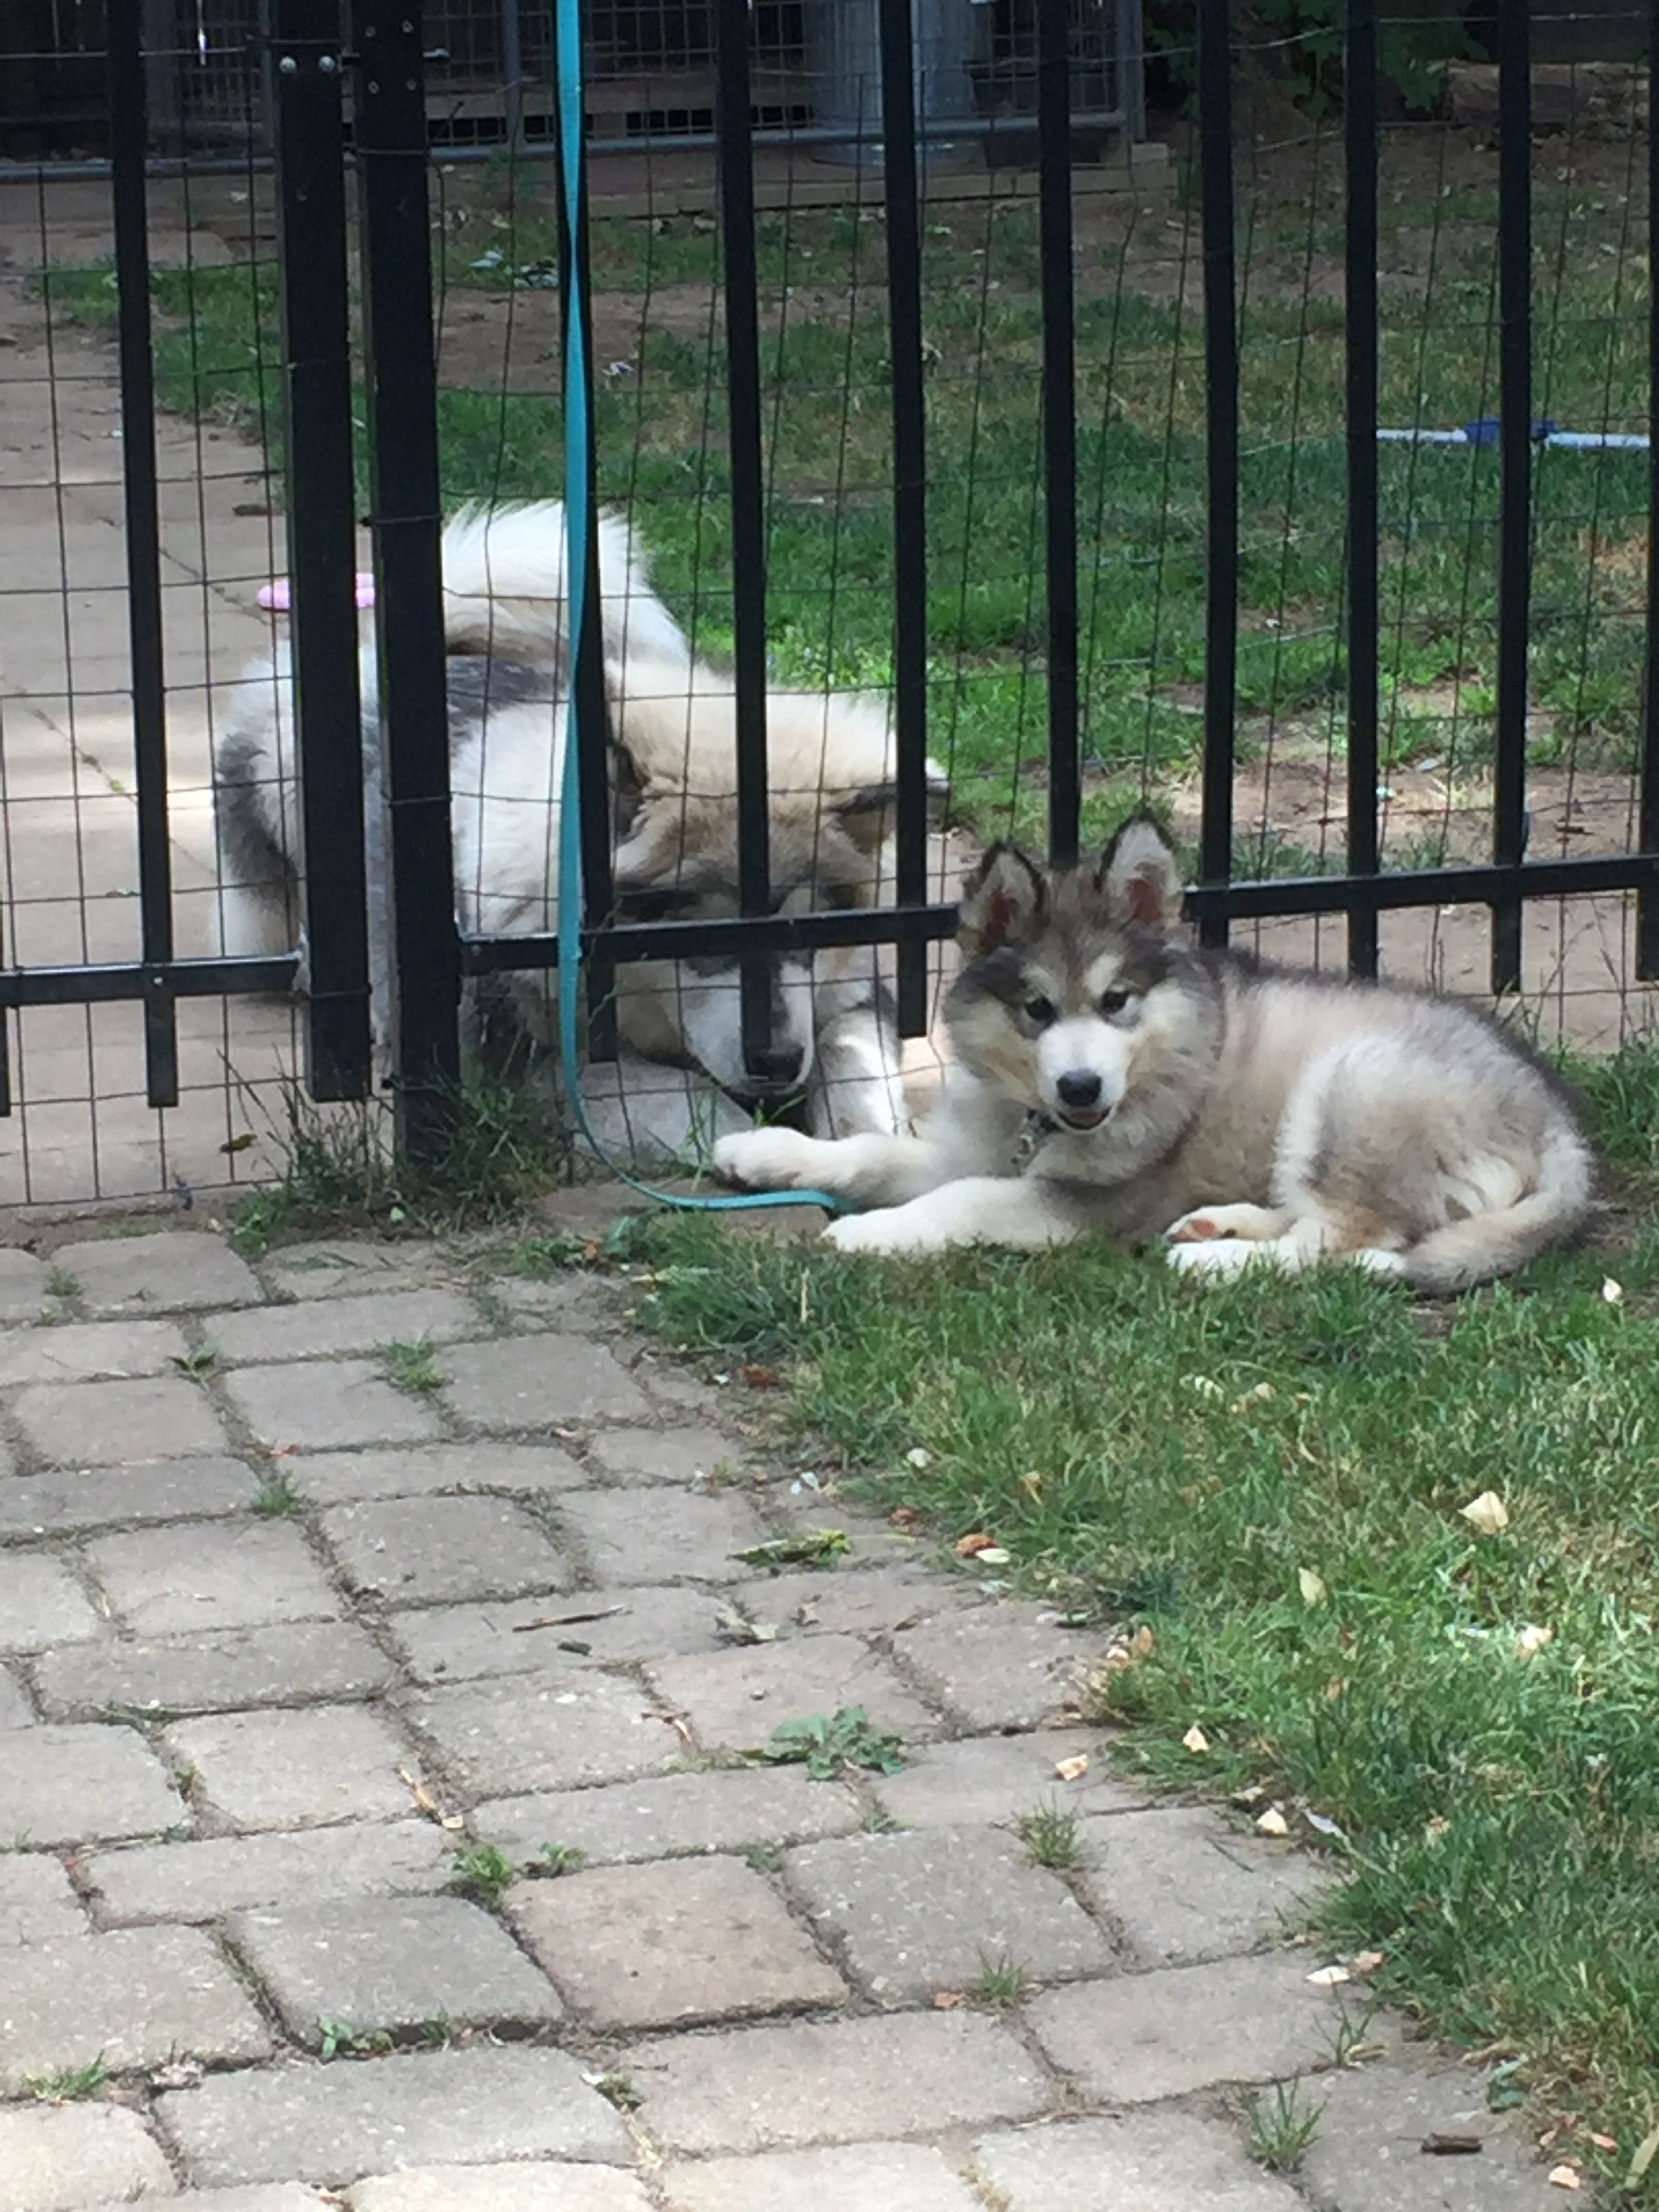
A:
{"x":504,"y":588}
{"x":1483,"y":1246}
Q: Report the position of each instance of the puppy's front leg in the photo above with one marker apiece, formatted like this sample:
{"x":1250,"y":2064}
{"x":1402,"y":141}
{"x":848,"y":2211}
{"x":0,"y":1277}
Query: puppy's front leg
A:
{"x":970,"y":1130}
{"x":857,"y":1083}
{"x":863,"y":1171}
{"x":977,"y":1209}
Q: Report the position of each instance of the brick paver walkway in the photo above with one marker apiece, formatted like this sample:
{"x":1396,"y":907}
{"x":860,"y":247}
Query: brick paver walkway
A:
{"x":278,"y":1639}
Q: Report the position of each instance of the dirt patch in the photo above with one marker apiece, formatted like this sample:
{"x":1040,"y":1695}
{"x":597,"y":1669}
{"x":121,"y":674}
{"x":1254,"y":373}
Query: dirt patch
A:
{"x":512,"y":340}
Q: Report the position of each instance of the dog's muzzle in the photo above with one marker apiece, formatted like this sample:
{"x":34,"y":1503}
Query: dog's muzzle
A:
{"x":1077,"y":1100}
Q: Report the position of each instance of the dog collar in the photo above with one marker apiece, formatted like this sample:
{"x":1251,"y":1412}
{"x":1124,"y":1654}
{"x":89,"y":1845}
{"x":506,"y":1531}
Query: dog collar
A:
{"x":1035,"y":1133}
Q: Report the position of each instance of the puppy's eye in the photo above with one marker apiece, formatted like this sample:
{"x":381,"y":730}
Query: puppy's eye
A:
{"x":1113,"y":1002}
{"x":1040,"y":1010}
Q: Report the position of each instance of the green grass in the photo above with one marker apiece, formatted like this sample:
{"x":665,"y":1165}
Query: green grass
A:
{"x":1001,"y":1982}
{"x":480,"y":1871}
{"x":69,"y":2083}
{"x":276,"y":1497}
{"x":1141,"y":490}
{"x":1282,"y":2128}
{"x":1271,"y":1478}
{"x":1050,"y":1837}
{"x":412,"y":1368}
{"x":339,"y":1171}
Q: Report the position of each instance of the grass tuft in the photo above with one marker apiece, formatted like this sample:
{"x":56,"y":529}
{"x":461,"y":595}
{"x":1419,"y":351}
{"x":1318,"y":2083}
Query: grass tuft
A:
{"x":1050,"y":1837}
{"x":1282,"y":2128}
{"x":339,"y":1171}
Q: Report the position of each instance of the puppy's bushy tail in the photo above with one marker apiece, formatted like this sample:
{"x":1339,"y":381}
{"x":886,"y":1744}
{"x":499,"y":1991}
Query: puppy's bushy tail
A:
{"x":505,"y":588}
{"x":1483,"y":1246}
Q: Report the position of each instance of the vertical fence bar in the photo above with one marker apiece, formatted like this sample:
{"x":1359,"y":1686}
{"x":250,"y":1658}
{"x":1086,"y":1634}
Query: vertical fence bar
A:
{"x":901,"y":180}
{"x":1221,"y":419}
{"x":587,"y":672}
{"x":1054,"y":30}
{"x":1515,"y":470}
{"x":129,"y":148}
{"x":513,"y":76}
{"x":1128,"y":78}
{"x":390,"y":126}
{"x":1359,"y":104}
{"x":735,"y":158}
{"x":322,"y":560}
{"x":1647,"y":900}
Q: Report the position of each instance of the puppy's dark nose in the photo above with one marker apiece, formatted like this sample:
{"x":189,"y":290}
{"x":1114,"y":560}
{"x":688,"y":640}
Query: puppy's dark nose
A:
{"x":780,"y":1066}
{"x":1080,"y":1089}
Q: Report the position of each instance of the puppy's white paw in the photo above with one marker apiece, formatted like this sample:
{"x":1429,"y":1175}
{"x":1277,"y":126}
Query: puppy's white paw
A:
{"x":1375,"y":1261}
{"x":766,"y":1159}
{"x":871,"y":1232}
{"x":1210,"y":1224}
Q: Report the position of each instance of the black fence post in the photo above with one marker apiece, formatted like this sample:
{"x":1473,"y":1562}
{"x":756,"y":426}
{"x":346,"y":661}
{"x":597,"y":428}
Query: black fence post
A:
{"x":1647,"y":899}
{"x":736,"y":163}
{"x":1360,"y":105}
{"x":129,"y":150}
{"x":1515,"y":472}
{"x":310,"y":152}
{"x":1053,"y":47}
{"x":1215,"y":132}
{"x":592,"y":734}
{"x":389,"y":115}
{"x":900,"y":170}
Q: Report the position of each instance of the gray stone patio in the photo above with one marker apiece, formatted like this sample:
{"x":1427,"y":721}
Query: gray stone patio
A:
{"x":278,"y":1640}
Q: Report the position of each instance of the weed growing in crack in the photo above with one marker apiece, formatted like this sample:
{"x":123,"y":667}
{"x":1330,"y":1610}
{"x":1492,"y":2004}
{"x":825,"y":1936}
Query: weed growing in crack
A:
{"x":1282,"y":2127}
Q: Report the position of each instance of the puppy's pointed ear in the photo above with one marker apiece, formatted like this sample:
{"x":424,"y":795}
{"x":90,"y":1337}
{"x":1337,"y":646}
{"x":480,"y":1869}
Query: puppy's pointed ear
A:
{"x":1004,"y":897}
{"x":1140,"y":876}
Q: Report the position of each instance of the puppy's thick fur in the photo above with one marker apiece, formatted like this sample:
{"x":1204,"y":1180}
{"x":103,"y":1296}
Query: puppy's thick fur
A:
{"x":1109,"y":1078}
{"x":833,"y":769}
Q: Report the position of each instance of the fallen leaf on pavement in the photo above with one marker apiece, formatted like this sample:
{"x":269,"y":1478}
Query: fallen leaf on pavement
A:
{"x":732,"y":1628}
{"x":1073,"y":1769}
{"x":1565,"y":2177}
{"x":1451,"y":2145}
{"x":976,"y":1540}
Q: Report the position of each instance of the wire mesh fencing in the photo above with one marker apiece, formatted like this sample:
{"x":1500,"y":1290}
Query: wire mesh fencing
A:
{"x":972,"y":586}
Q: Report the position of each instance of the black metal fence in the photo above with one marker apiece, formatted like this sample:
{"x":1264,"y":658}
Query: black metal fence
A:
{"x":350,"y":129}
